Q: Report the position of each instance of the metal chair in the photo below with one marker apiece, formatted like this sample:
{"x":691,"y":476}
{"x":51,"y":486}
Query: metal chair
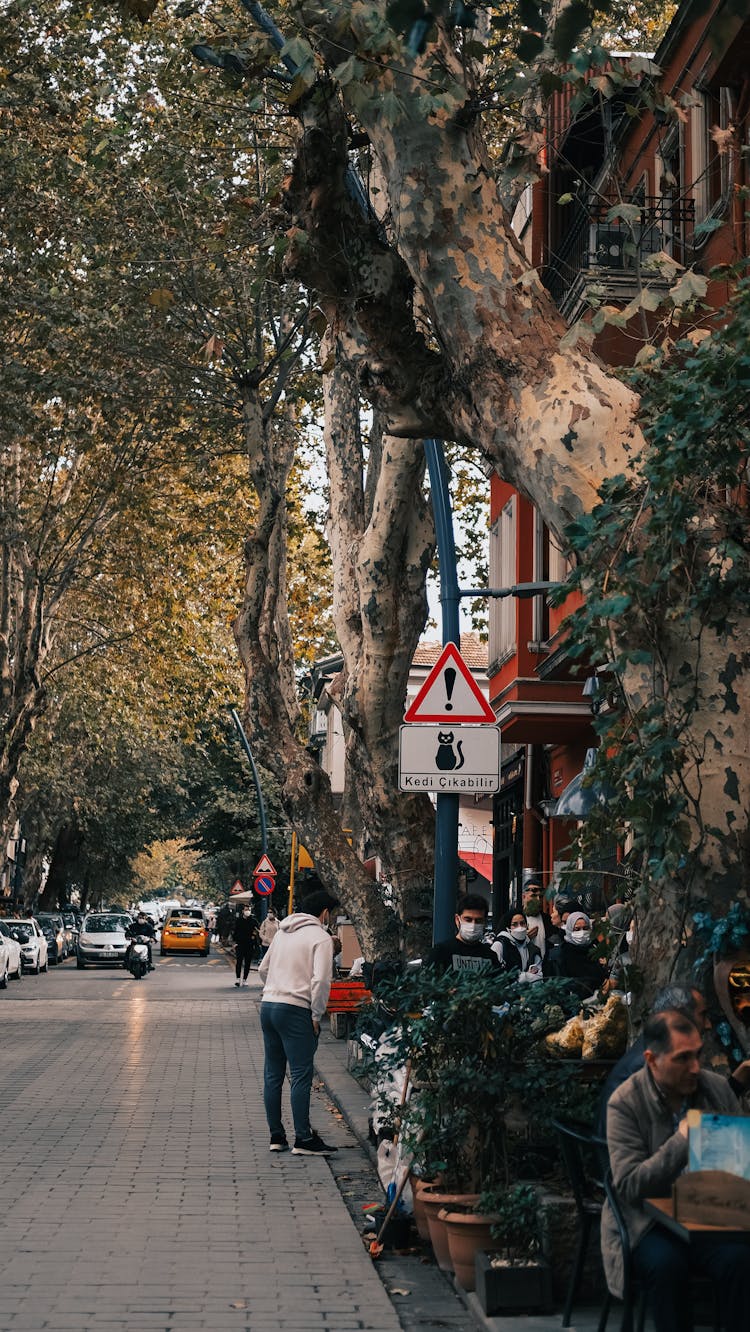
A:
{"x":634,"y":1302}
{"x":633,"y":1295}
{"x":586,"y":1161}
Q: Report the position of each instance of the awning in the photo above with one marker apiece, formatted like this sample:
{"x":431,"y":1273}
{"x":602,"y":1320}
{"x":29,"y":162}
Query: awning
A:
{"x":481,"y":861}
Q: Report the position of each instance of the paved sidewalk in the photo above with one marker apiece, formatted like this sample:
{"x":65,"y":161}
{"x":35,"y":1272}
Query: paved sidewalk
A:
{"x":136,"y":1189}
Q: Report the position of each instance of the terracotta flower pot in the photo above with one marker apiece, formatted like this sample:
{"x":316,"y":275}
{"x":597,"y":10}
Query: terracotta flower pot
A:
{"x":420,"y":1215}
{"x":434,"y":1201}
{"x":468,"y":1233}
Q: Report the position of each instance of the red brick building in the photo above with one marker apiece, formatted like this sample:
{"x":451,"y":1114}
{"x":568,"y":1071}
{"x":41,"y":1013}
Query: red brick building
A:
{"x":682,"y":175}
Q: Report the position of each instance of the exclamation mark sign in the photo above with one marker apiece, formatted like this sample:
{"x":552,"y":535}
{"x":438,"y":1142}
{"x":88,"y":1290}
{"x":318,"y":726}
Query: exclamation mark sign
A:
{"x":450,"y":680}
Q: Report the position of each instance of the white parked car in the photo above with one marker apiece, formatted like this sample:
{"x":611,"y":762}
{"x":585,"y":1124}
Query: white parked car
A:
{"x":10,"y":956}
{"x":102,"y":939}
{"x":34,"y":946}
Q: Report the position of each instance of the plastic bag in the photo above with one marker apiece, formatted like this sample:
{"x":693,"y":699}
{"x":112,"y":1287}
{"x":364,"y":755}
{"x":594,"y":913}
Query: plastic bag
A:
{"x":393,"y":1166}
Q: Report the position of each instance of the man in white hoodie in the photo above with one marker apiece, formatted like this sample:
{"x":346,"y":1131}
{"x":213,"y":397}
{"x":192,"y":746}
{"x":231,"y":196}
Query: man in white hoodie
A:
{"x":296,"y":973}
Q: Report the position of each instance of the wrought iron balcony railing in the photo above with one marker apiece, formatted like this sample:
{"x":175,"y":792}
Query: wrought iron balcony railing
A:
{"x":595,"y":245}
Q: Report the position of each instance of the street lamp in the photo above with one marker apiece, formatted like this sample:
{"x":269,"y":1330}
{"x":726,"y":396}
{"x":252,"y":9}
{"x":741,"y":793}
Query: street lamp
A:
{"x":578,"y":800}
{"x":261,"y":806}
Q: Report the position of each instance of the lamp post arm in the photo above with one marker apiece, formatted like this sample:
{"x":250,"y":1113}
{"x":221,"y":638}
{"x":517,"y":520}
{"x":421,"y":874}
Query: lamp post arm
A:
{"x":517,"y":590}
{"x":246,"y":746}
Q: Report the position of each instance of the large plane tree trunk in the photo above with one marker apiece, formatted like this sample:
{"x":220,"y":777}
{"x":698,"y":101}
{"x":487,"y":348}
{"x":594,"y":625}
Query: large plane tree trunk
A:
{"x":492,"y":372}
{"x":382,"y":543}
{"x":261,"y":630}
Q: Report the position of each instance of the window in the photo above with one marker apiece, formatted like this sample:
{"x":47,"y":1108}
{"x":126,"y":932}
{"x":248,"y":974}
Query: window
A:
{"x":502,"y":633}
{"x":699,"y":141}
{"x":559,"y":564}
{"x":668,"y":186}
{"x":540,"y":622}
{"x":710,"y":158}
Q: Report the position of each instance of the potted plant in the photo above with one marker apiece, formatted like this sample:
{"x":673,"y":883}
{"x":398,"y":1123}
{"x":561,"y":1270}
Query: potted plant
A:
{"x":467,"y":1234}
{"x":484,"y":1091}
{"x":513,"y":1277}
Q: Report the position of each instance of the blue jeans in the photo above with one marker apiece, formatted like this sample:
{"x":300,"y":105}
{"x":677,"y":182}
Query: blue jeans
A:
{"x":665,"y":1264}
{"x":288,"y":1038}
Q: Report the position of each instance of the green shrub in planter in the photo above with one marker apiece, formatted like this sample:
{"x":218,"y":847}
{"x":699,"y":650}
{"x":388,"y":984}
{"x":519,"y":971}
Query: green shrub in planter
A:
{"x":516,"y":1277}
{"x":484,"y":1089}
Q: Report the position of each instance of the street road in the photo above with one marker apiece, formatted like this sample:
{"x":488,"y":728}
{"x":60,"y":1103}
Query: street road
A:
{"x":136,"y":1186}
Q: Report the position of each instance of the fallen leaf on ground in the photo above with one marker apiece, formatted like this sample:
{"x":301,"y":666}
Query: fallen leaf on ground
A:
{"x":398,"y":1290}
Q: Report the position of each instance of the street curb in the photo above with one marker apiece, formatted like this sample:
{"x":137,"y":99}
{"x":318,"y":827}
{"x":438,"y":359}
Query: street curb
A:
{"x":340,"y":1103}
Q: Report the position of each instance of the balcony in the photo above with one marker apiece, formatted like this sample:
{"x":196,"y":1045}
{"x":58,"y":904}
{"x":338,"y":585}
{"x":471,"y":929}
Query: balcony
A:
{"x":597,"y":251}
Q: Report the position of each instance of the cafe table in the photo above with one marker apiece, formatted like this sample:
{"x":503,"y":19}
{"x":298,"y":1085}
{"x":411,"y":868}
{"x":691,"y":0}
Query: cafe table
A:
{"x":662,"y":1210}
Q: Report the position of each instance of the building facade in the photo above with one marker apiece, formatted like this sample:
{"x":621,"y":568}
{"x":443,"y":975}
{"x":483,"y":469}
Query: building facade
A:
{"x":644,"y":182}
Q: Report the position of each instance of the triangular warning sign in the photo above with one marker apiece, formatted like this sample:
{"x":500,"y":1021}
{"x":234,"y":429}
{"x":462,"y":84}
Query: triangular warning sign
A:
{"x":450,"y":693}
{"x":264,"y":866}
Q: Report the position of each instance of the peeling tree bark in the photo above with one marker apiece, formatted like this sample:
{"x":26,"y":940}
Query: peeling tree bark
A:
{"x":555,"y":422}
{"x":271,"y":712}
{"x":382,"y":543}
{"x":493,"y":374}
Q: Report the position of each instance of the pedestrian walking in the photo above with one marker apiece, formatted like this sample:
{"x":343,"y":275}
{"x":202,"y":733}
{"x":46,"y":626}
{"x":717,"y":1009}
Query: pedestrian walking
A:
{"x":224,"y":922}
{"x":267,"y":931}
{"x":296,"y":972}
{"x":245,"y":935}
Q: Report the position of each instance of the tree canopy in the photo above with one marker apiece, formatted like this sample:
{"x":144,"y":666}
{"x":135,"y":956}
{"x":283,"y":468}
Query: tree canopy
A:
{"x":270,"y":228}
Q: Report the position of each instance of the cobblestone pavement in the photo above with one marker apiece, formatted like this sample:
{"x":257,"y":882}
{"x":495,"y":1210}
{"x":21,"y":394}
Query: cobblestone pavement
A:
{"x":136,"y":1187}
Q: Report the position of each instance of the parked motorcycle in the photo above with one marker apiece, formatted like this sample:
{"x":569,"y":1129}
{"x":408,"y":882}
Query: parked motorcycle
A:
{"x":138,"y":956}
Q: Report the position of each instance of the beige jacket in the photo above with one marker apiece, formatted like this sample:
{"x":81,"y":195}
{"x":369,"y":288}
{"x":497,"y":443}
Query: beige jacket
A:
{"x":268,"y":928}
{"x":646,"y":1154}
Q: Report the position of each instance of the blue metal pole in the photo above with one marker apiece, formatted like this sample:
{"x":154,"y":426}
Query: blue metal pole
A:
{"x":446,"y":814}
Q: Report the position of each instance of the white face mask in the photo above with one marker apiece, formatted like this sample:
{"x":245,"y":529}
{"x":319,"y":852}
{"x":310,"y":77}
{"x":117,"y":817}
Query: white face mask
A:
{"x":581,"y":938}
{"x":519,"y":933}
{"x":246,"y":915}
{"x":470,"y":931}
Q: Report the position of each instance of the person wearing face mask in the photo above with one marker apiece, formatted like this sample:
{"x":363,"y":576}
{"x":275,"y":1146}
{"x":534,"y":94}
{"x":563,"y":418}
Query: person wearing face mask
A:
{"x":515,"y":950}
{"x":573,"y":958}
{"x":465,"y":952}
{"x":533,"y":895}
{"x":245,"y":935}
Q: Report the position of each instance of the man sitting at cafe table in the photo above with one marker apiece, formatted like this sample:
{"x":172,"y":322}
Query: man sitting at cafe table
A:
{"x":648,"y":1149}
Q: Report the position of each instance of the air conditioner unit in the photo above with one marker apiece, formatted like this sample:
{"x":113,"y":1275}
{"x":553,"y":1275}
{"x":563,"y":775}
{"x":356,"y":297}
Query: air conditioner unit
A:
{"x":319,"y":723}
{"x":609,"y":247}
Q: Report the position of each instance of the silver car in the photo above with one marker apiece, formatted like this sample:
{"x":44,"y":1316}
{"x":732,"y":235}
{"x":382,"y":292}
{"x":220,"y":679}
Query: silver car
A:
{"x":31,"y":941}
{"x":102,"y":940}
{"x":10,"y":955}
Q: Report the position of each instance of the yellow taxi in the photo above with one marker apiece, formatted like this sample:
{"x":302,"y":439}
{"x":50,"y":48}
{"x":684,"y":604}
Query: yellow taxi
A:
{"x":185,"y":931}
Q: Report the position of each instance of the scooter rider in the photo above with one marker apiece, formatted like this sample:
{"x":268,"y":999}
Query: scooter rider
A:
{"x":142,"y":927}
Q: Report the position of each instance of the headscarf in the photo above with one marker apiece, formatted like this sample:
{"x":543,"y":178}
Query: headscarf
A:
{"x":572,"y":921}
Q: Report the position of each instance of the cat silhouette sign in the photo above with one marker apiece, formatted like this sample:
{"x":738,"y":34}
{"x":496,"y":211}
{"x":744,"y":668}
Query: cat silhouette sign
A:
{"x":450,"y":694}
{"x":449,"y":759}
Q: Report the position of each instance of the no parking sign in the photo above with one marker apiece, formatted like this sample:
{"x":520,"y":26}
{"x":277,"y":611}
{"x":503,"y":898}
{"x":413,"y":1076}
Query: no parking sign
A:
{"x":264,"y":884}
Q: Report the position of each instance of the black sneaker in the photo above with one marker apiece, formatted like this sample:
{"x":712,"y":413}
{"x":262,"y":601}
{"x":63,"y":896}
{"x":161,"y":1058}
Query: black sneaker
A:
{"x":312,"y":1146}
{"x":278,"y":1143}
